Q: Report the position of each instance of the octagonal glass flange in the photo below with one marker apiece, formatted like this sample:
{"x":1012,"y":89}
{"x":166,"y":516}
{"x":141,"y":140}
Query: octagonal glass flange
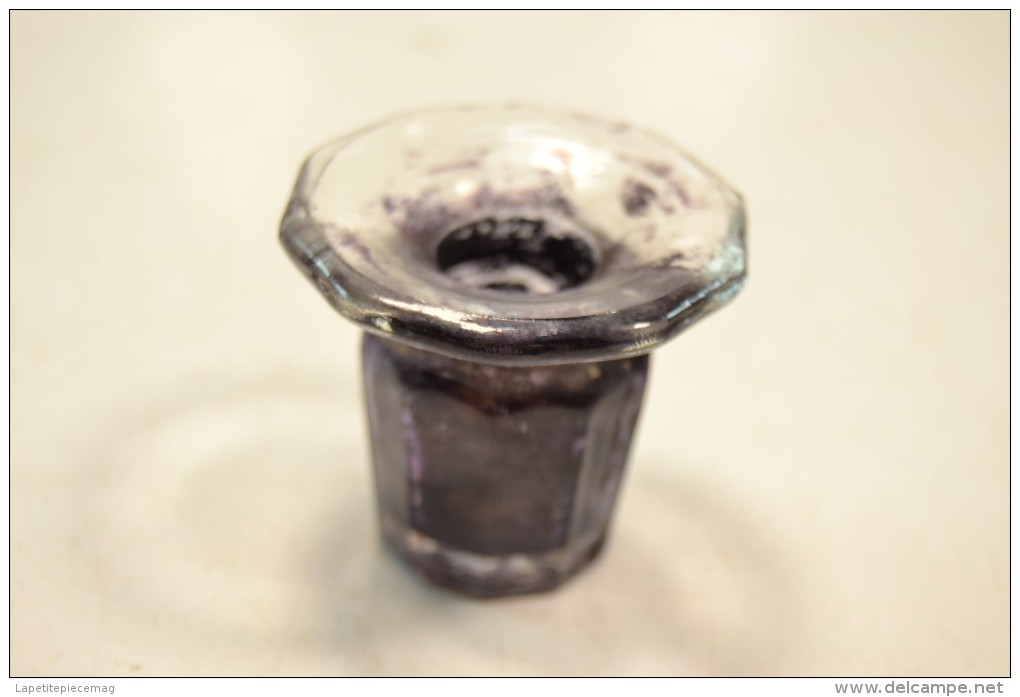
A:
{"x":512,"y":267}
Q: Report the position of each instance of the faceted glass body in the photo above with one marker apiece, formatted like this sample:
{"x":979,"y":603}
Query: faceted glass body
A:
{"x":497,"y":479}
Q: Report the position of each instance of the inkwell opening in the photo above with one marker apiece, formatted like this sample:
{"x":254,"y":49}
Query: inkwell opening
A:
{"x":516,"y":255}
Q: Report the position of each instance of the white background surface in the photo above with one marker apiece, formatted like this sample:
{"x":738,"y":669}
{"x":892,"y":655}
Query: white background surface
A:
{"x":820,"y":482}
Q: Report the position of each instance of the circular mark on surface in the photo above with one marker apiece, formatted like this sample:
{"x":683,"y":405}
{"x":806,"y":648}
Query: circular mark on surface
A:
{"x":205,"y":514}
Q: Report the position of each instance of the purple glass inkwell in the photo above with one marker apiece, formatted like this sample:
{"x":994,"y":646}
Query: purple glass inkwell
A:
{"x":512,"y":268}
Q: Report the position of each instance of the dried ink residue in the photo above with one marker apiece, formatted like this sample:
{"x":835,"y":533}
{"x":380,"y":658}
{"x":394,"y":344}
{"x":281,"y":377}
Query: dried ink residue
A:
{"x":416,"y":218}
{"x":663,"y":171}
{"x":636,"y":198}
